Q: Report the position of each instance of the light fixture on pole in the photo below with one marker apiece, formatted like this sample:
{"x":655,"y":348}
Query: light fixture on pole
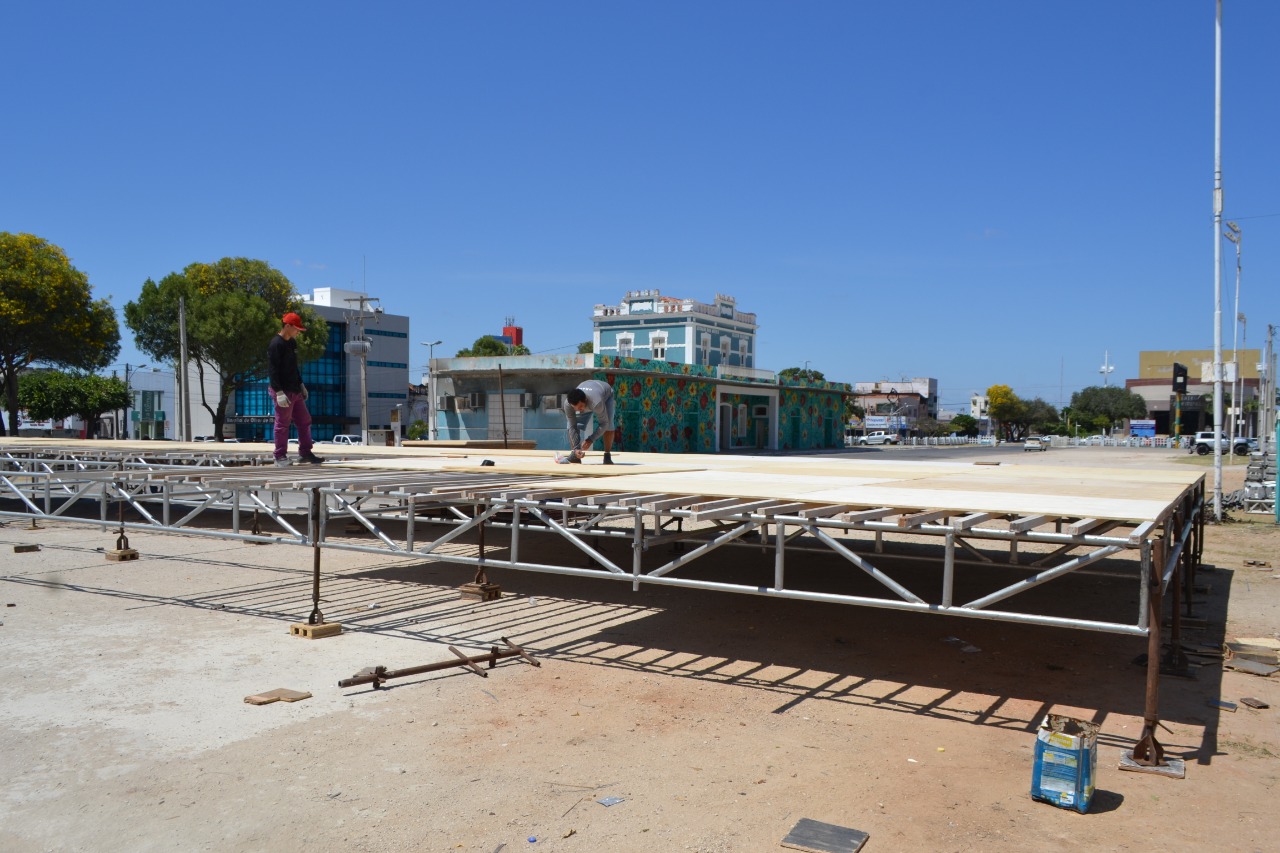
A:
{"x":1233,"y":234}
{"x":359,"y":346}
{"x":431,"y":388}
{"x":1107,"y":368}
{"x":128,"y":389}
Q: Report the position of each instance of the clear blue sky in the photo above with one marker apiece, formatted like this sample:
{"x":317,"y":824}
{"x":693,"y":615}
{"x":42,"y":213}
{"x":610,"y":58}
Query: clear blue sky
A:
{"x":983,"y":192}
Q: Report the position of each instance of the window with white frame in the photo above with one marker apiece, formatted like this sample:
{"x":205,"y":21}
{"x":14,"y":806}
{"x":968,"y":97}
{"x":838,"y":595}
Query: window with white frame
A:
{"x":724,"y":350}
{"x":658,"y":346}
{"x":624,"y":346}
{"x":704,"y":344}
{"x":742,"y":352}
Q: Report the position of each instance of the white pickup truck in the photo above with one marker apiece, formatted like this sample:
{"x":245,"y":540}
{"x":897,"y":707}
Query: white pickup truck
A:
{"x":347,"y":439}
{"x":880,"y":437}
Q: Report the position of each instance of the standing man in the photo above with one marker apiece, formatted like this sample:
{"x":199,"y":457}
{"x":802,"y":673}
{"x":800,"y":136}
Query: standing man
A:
{"x":289,"y":394}
{"x":592,"y":397}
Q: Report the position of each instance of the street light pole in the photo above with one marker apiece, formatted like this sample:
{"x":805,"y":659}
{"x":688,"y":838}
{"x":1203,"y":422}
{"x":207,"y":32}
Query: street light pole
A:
{"x":360,"y":346}
{"x":431,"y":388}
{"x":1237,"y":410}
{"x":1217,"y":265}
{"x":1107,"y":368}
{"x":129,"y":392}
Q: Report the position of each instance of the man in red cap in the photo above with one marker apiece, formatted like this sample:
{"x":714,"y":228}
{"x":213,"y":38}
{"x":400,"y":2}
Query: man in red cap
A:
{"x":290,"y":395}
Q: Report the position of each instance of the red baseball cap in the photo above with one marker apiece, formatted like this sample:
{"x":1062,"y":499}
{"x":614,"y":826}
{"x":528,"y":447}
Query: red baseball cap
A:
{"x":292,"y":319}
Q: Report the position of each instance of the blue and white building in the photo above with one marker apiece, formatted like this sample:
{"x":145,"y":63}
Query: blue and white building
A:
{"x":648,"y":325}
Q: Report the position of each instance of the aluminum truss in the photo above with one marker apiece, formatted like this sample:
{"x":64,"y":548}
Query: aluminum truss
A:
{"x":395,"y":508}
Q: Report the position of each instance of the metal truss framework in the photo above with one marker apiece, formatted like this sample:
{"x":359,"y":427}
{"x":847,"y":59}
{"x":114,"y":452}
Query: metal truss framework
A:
{"x":396,"y":509}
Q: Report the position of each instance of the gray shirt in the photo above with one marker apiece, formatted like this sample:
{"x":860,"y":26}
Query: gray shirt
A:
{"x":599,"y":403}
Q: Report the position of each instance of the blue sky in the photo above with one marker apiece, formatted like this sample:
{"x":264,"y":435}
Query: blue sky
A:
{"x":983,"y":192}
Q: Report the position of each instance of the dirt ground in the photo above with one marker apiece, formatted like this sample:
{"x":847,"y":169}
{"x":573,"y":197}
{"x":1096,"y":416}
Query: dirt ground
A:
{"x":717,"y":720}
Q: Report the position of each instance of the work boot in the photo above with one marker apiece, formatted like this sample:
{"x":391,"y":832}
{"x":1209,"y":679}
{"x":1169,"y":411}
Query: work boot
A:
{"x":310,"y":458}
{"x":608,"y":459}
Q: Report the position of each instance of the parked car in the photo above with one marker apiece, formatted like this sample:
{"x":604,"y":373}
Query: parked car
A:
{"x":203,"y":438}
{"x":1034,"y":444}
{"x":347,"y":439}
{"x":1202,"y":444}
{"x":879,"y":438}
{"x":1097,"y":440}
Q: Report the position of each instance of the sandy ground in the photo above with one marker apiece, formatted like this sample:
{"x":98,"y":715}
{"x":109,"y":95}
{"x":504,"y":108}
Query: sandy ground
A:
{"x":717,"y":720}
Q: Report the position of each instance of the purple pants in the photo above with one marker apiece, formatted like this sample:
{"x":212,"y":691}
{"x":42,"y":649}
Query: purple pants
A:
{"x":295,"y":413}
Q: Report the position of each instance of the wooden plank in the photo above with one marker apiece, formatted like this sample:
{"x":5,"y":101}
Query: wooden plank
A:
{"x":916,"y":519}
{"x":868,"y":514}
{"x":970,"y":520}
{"x":614,"y":497}
{"x":825,"y":511}
{"x":782,"y":509}
{"x":1080,"y":527}
{"x":671,"y":503}
{"x":1029,"y":522}
{"x":1141,"y":532}
{"x":726,"y":512}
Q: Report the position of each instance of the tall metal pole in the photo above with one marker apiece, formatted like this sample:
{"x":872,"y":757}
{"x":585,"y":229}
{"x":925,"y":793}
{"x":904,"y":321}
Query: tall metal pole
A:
{"x":360,"y":347}
{"x":183,"y":372}
{"x":1233,"y":234}
{"x":1217,"y":266}
{"x":431,"y":389}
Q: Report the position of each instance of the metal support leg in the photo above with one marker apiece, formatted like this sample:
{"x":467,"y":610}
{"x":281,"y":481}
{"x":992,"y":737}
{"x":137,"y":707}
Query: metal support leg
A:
{"x":316,"y":617}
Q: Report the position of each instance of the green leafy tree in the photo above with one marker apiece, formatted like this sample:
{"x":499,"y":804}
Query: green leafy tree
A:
{"x":53,"y":394}
{"x":964,"y":425}
{"x":1006,"y":409}
{"x":48,"y":315}
{"x":801,"y":374}
{"x":1040,"y":416}
{"x":1104,"y":407}
{"x":488,"y":346}
{"x":233,"y":308}
{"x":417,"y":430}
{"x":586,"y":348}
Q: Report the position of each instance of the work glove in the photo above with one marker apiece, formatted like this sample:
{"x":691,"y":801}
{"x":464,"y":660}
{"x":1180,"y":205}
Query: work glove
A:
{"x":282,"y":399}
{"x":305,"y":393}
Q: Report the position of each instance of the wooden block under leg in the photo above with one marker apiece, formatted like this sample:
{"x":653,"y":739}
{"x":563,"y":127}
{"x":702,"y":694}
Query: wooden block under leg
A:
{"x":480,"y":591}
{"x":119,"y":555}
{"x":315,"y":632}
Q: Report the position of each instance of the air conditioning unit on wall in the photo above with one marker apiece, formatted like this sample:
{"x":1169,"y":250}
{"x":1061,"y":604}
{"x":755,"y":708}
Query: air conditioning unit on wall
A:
{"x":444,"y":403}
{"x":759,"y":411}
{"x":528,"y":400}
{"x":477,"y":399}
{"x":551,"y":401}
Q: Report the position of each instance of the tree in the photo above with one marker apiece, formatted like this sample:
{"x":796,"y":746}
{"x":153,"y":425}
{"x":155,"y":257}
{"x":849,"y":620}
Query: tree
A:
{"x":233,"y":308}
{"x":1040,"y":416}
{"x":964,"y":425}
{"x":488,"y":346}
{"x":48,"y":315}
{"x":1005,"y":408}
{"x":802,"y":374}
{"x":586,"y":348}
{"x":53,"y":395}
{"x":1104,"y":407}
{"x":417,"y":430}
